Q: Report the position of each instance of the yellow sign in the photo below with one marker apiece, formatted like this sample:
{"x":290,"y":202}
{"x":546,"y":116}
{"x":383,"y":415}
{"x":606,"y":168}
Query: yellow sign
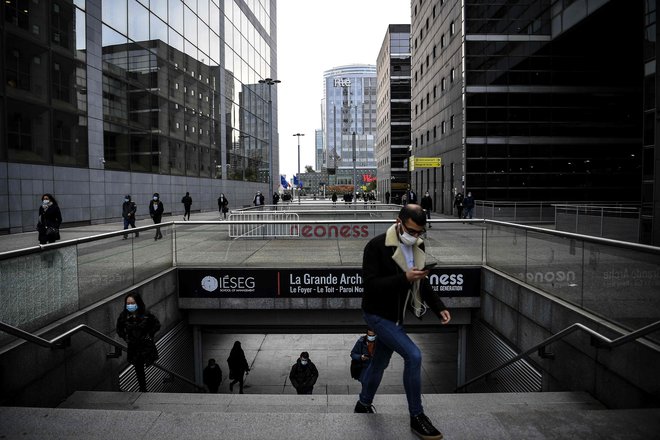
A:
{"x":424,"y":162}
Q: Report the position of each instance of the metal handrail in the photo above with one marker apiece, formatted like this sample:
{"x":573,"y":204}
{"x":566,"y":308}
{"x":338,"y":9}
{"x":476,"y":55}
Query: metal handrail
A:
{"x":62,"y":341}
{"x":598,"y":340}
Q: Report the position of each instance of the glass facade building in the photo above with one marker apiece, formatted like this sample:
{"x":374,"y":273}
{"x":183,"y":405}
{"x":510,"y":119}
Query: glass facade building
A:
{"x":393,"y":113}
{"x":528,"y":101}
{"x":349,"y":116}
{"x":162,"y":87}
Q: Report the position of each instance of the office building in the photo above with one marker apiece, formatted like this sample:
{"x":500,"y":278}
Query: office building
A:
{"x":349,"y":116}
{"x":99,"y":99}
{"x":393,"y":112}
{"x":528,"y":101}
{"x":319,"y":150}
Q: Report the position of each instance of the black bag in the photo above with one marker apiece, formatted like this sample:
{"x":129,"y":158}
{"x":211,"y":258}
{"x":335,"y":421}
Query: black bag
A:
{"x":225,"y":209}
{"x":356,"y":369}
{"x":51,"y":232}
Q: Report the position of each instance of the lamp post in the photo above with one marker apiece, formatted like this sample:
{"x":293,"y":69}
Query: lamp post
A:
{"x":270,"y":82}
{"x":298,"y":136}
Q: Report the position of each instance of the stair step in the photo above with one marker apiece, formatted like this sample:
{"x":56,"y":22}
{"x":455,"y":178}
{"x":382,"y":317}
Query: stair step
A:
{"x":89,"y":424}
{"x":277,"y":403}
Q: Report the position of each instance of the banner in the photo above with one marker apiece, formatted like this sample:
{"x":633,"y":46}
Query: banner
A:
{"x":309,"y":283}
{"x":283,"y":181}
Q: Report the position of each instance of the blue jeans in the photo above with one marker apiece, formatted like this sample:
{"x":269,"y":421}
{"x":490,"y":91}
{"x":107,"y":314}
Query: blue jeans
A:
{"x":393,"y":338}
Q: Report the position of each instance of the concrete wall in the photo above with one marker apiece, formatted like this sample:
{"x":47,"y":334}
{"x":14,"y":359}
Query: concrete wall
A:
{"x":623,"y":377}
{"x":94,"y":196}
{"x":31,"y":375}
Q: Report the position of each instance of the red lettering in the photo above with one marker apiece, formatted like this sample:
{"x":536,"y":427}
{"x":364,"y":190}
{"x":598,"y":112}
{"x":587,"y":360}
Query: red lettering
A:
{"x":294,"y":230}
{"x":365,"y":231}
{"x":306,"y":231}
{"x":344,"y":231}
{"x":335,"y":229}
{"x":355,"y":231}
{"x":319,"y":228}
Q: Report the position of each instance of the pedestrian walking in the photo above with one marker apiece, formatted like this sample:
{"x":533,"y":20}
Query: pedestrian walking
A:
{"x":393,"y":263}
{"x":138,"y":327}
{"x":128,"y":210}
{"x":258,"y":199}
{"x":156,"y":212}
{"x":387,"y":197}
{"x":411,"y":196}
{"x":223,"y":205}
{"x":303,"y":374}
{"x":458,"y":204}
{"x":50,"y":219}
{"x":187,"y":203}
{"x":212,"y":376}
{"x":334,"y":199}
{"x":238,"y":367}
{"x":427,"y":206}
{"x":468,"y":205}
{"x":276,"y":198}
{"x":361,"y":354}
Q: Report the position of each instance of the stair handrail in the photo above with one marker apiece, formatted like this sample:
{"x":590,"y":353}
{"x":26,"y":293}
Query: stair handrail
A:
{"x":598,"y":340}
{"x":62,"y":341}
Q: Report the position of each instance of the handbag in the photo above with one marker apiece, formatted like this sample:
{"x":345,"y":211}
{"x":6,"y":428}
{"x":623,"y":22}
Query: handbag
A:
{"x":51,"y":232}
{"x":356,"y":369}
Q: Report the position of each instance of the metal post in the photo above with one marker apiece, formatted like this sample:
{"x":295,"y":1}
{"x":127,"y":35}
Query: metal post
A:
{"x":298,"y":136}
{"x":270,"y":82}
{"x":354,"y":170}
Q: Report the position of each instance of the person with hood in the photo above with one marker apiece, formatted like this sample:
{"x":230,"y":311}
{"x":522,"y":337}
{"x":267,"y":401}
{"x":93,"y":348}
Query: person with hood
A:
{"x":156,"y":212}
{"x":395,"y":280}
{"x":427,"y":206}
{"x":187,"y":203}
{"x":334,"y":199}
{"x":50,"y":219}
{"x":223,"y":204}
{"x":303,"y":374}
{"x":458,"y":204}
{"x":258,"y":199}
{"x":128,"y":210}
{"x":238,"y":367}
{"x":212,"y":376}
{"x":468,"y":204}
{"x":361,"y":354}
{"x":137,"y":327}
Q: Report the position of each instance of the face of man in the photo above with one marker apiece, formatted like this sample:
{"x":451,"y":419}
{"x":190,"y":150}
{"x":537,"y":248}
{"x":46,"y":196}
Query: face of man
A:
{"x":410,"y":227}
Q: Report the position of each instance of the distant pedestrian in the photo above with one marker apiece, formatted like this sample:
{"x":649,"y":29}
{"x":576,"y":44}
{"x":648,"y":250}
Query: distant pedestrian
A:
{"x":303,"y":374}
{"x":411,"y":196}
{"x":187,"y":203}
{"x":276,"y":198}
{"x":387,"y":197}
{"x":258,"y":199}
{"x":458,"y":204}
{"x":468,"y":204}
{"x":223,"y":205}
{"x":137,"y":327}
{"x":156,"y":212}
{"x":334,"y":199}
{"x":50,"y":219}
{"x":212,"y":376}
{"x":238,"y":367}
{"x":361,"y":354}
{"x":128,"y":210}
{"x":427,"y":206}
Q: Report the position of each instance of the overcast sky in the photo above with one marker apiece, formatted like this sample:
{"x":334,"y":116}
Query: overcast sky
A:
{"x":314,"y":36}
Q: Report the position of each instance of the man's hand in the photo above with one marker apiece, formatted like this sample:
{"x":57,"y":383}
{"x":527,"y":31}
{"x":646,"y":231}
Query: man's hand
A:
{"x":415,"y":274}
{"x":445,"y":317}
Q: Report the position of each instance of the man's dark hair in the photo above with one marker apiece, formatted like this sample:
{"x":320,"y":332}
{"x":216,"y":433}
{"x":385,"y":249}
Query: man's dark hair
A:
{"x":413,"y":212}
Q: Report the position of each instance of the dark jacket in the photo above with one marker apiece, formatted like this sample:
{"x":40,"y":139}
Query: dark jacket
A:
{"x":468,"y":202}
{"x":128,"y":209}
{"x":385,"y":284}
{"x":334,"y":197}
{"x":359,"y":349}
{"x":187,"y":201}
{"x":138,"y":331}
{"x":427,"y":203}
{"x":49,"y":218}
{"x":156,"y":213}
{"x":222,"y":203}
{"x":458,"y":200}
{"x":303,"y":377}
{"x":276,"y":198}
{"x":237,"y":363}
{"x":212,"y":376}
{"x":258,"y":200}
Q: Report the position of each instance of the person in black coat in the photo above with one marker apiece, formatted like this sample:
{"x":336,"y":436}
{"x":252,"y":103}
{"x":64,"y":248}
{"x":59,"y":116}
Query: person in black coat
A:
{"x":303,"y":374}
{"x":156,"y":212}
{"x":361,"y":354}
{"x":458,"y":204}
{"x":427,"y":206}
{"x":50,"y":219}
{"x":128,"y":210}
{"x":187,"y":203}
{"x":387,"y":197}
{"x":212,"y":376}
{"x":238,"y":366}
{"x":137,"y":327}
{"x":223,"y":204}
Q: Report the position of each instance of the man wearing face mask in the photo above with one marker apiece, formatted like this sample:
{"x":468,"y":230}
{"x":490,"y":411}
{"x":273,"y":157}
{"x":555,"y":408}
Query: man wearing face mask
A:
{"x":394,"y":280}
{"x":427,"y":206}
{"x":128,"y":210}
{"x":303,"y":374}
{"x":156,"y":212}
{"x":361,"y":355}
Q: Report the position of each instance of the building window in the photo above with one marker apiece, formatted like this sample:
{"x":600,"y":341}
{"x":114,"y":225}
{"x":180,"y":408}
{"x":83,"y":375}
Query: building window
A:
{"x":443,"y":127}
{"x":428,"y":136}
{"x":415,"y":76}
{"x":434,"y":7}
{"x":452,"y":75}
{"x":427,"y":99}
{"x":427,"y":61}
{"x":434,"y":91}
{"x":435,"y":132}
{"x":434,"y":55}
{"x":451,"y":122}
{"x":427,"y":23}
{"x":421,"y":70}
{"x":442,"y":41}
{"x":415,"y":110}
{"x":452,"y":28}
{"x":443,"y":84}
{"x":421,"y":105}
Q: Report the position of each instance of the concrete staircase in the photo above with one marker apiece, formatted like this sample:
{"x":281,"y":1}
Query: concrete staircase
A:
{"x":124,"y":416}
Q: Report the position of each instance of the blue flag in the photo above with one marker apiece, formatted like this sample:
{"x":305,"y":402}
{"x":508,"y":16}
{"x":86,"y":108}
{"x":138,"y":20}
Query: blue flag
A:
{"x":283,"y":181}
{"x":295,"y":181}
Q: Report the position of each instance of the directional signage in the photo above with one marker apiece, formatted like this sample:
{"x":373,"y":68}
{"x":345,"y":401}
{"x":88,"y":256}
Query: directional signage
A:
{"x":424,"y":162}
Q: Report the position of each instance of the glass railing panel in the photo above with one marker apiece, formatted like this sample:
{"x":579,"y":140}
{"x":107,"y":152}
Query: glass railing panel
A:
{"x":38,"y":288}
{"x":554,"y":265}
{"x":455,"y":243}
{"x":506,"y":249}
{"x":105,"y":266}
{"x":622,"y":285}
{"x":153,"y":256}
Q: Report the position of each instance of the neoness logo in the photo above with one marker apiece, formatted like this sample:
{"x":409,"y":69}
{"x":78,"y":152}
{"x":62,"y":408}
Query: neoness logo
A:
{"x":331,"y":231}
{"x":446,"y":280}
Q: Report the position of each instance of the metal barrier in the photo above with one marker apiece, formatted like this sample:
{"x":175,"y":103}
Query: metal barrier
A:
{"x":238,"y":229}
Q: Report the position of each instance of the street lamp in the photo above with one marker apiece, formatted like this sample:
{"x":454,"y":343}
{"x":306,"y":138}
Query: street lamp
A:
{"x":270,"y":82}
{"x":298,"y":136}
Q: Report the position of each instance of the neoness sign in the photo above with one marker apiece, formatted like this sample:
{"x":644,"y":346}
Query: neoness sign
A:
{"x":332,"y":231}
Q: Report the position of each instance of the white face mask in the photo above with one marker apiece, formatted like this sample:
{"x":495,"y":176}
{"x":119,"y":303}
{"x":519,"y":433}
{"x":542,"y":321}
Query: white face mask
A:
{"x":406,"y":238}
{"x":303,"y":362}
{"x":371,"y":338}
